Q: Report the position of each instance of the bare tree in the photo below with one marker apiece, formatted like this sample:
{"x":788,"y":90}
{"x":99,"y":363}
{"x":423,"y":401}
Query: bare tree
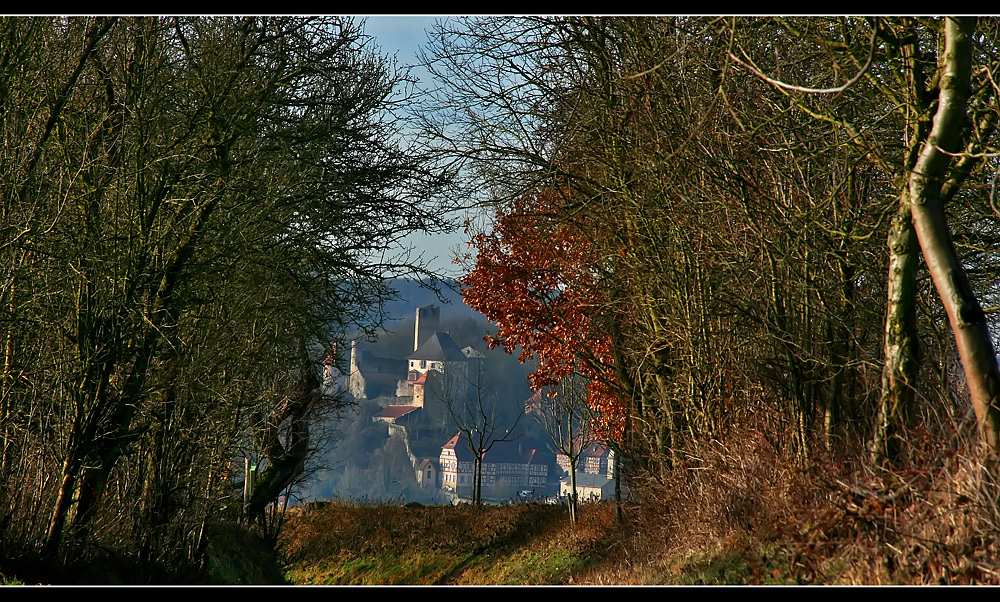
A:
{"x":188,"y":204}
{"x":565,"y":416}
{"x":935,"y":75}
{"x":481,"y":419}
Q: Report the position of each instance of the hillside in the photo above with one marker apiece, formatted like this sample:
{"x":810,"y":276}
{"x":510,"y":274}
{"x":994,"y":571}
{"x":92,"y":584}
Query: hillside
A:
{"x":745,"y":517}
{"x":417,"y":293}
{"x":358,"y":459}
{"x":755,"y":257}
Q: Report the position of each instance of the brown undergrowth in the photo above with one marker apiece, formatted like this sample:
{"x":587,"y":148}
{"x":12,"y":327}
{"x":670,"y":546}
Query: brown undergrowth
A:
{"x":733,"y":513}
{"x":740,"y":513}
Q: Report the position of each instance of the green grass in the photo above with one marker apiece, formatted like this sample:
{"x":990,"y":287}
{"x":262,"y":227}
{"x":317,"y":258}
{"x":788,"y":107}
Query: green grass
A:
{"x":726,"y":566}
{"x":344,"y":544}
{"x":509,"y":545}
{"x":375,"y":570}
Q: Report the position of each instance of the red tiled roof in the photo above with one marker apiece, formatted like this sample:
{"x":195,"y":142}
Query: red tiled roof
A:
{"x":395,"y":411}
{"x":535,"y":401}
{"x":452,"y":442}
{"x":596,"y":449}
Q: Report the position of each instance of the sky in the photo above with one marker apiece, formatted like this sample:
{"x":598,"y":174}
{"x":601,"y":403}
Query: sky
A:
{"x":402,"y":35}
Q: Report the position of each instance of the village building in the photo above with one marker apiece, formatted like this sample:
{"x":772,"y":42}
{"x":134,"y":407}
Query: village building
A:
{"x":371,"y":376}
{"x":506,"y":461}
{"x":596,"y":458}
{"x":427,"y":473}
{"x":589,"y":487}
{"x":428,"y":321}
{"x":595,"y":473}
{"x":415,"y":395}
{"x":394,"y":414}
{"x":440,"y":354}
{"x":535,"y":403}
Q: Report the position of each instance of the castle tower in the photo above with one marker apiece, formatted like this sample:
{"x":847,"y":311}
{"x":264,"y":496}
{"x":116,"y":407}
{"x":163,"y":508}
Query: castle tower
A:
{"x":428,"y":321}
{"x":355,"y":382}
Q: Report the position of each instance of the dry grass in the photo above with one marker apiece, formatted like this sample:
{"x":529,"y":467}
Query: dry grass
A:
{"x":737,"y":513}
{"x":349,"y":543}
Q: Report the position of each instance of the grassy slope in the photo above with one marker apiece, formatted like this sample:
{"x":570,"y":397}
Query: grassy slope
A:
{"x":742,"y":516}
{"x":497,"y":545}
{"x":351,"y":544}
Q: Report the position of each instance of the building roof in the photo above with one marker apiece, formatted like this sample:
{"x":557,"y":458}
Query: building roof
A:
{"x":452,"y":442}
{"x":586,"y":479}
{"x":595,"y":449}
{"x":534,"y":402}
{"x":502,"y":452}
{"x":369,"y":363}
{"x":438,"y":348}
{"x":395,"y":411}
{"x":380,"y":373}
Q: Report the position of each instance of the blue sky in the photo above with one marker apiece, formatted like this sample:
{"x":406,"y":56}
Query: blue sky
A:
{"x":402,"y":35}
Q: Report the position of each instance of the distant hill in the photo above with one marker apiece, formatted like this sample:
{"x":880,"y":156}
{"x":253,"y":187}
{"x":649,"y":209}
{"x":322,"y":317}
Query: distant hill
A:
{"x":416,"y":293}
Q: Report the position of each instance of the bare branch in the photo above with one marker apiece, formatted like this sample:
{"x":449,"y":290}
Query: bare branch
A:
{"x":794,"y":88}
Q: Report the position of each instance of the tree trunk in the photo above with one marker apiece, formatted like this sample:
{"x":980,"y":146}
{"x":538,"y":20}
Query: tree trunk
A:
{"x":572,"y":490}
{"x":477,"y":481}
{"x":63,"y":502}
{"x":899,"y":373}
{"x":618,"y":492}
{"x":968,"y":322}
{"x":286,"y":460}
{"x":839,"y":336}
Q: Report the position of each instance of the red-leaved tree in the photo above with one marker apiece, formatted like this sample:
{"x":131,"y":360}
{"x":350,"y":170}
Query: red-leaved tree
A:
{"x":537,"y":275}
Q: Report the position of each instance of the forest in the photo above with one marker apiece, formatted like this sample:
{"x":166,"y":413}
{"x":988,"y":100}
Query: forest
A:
{"x":759,"y":240}
{"x":786,"y":226}
{"x":195,"y":211}
{"x":772,"y":236}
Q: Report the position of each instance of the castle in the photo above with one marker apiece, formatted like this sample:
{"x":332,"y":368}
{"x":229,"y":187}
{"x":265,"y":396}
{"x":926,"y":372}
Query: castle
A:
{"x":371,"y":376}
{"x":403,"y":387}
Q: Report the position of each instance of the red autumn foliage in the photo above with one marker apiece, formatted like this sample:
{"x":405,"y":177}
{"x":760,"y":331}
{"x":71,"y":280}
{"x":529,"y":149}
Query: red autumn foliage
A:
{"x":538,"y":277}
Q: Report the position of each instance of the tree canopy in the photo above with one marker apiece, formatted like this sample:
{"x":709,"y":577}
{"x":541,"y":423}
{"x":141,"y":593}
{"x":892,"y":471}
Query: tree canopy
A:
{"x":193,"y":210}
{"x":700,"y":205}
